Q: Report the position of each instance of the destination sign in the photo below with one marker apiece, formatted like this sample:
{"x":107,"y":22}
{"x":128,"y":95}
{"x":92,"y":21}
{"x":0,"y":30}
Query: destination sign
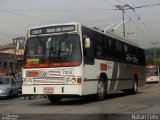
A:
{"x":52,"y":29}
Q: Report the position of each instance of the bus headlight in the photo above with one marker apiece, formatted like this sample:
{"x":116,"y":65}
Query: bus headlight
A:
{"x":74,"y":80}
{"x":27,"y":81}
{"x":71,"y":80}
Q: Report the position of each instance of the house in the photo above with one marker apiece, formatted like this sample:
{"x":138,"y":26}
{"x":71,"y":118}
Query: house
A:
{"x":11,"y":58}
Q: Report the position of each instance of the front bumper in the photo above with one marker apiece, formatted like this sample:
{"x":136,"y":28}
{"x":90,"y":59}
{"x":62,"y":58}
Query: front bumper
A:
{"x":152,"y":80}
{"x":57,"y":89}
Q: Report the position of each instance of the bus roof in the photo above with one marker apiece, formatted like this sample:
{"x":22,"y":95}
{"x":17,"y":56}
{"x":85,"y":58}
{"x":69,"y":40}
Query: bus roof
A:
{"x":58,"y":24}
{"x":107,"y":32}
{"x":114,"y":35}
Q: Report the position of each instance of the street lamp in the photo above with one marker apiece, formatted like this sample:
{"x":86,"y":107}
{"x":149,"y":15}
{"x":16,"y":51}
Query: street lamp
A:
{"x":155,"y":55}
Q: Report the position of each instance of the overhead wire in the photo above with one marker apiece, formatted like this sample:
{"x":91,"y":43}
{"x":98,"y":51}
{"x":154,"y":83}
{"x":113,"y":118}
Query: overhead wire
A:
{"x":146,"y":26}
{"x":57,"y":10}
{"x":108,"y":2}
{"x":15,"y":13}
{"x":150,"y":36}
{"x":138,"y":19}
{"x":136,"y":24}
{"x":12,"y":11}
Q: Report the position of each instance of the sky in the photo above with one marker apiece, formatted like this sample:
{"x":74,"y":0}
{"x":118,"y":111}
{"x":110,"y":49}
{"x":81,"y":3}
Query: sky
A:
{"x":16,"y":16}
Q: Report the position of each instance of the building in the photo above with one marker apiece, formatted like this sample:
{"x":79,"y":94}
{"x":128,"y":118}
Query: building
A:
{"x":11,"y":48}
{"x":7,"y":63}
{"x":11,"y":58}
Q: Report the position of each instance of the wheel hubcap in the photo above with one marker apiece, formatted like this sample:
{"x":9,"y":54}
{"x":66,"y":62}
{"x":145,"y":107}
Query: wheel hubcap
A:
{"x":135,"y":86}
{"x":100,"y":88}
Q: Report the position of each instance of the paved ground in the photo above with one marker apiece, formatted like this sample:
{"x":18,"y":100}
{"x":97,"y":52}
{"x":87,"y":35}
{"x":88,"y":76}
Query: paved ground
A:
{"x":147,"y":101}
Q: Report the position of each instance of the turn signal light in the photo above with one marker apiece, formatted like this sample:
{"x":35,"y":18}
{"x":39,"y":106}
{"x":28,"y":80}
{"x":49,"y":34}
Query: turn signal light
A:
{"x":32,"y":74}
{"x":79,"y":80}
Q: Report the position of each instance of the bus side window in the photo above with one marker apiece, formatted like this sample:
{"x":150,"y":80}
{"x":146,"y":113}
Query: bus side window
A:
{"x":100,"y":48}
{"x":98,"y":51}
{"x":111,"y":48}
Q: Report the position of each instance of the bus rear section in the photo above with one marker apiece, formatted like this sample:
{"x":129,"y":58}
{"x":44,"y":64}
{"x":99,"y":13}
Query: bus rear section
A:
{"x":152,"y":74}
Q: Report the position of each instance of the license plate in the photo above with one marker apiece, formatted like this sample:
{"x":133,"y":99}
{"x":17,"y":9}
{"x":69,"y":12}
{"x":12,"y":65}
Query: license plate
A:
{"x":48,"y":90}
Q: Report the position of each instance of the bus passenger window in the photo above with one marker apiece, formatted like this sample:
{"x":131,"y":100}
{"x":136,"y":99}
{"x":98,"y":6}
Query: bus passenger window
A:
{"x":98,"y":51}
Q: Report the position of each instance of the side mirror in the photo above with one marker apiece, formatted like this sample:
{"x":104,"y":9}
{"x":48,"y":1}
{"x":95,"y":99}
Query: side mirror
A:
{"x":87,"y":42}
{"x":18,"y":46}
{"x":48,"y":43}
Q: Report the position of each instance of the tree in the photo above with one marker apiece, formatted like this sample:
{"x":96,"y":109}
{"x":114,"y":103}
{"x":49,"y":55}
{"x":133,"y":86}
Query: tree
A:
{"x":149,"y":60}
{"x":158,"y":62}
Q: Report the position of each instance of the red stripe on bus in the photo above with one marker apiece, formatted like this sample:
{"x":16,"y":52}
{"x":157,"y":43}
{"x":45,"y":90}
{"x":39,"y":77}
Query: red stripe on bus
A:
{"x":60,"y":64}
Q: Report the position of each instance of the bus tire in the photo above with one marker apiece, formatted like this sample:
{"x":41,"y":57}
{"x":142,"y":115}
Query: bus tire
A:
{"x":134,"y":89}
{"x":54,"y":98}
{"x":101,"y":89}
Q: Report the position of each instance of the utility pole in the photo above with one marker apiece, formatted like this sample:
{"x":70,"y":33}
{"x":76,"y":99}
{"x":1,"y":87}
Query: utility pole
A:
{"x":124,"y":31}
{"x":123,"y":8}
{"x":128,"y":7}
{"x":16,"y":42}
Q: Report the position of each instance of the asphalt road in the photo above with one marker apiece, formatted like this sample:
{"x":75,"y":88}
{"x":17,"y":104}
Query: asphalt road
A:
{"x":117,"y":106}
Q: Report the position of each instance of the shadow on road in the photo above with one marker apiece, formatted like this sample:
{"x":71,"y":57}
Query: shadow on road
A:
{"x":7,"y":98}
{"x":81,"y":100}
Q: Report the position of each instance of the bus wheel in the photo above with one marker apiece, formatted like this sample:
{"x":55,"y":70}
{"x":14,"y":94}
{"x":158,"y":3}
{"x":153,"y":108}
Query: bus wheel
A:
{"x":134,"y":90}
{"x":101,"y":89}
{"x":54,"y":98}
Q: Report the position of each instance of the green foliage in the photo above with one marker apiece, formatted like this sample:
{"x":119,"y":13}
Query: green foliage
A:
{"x":158,"y":62}
{"x":149,"y":60}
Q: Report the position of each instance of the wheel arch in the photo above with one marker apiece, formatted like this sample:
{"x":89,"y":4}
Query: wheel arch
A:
{"x":104,"y":76}
{"x":135,"y":77}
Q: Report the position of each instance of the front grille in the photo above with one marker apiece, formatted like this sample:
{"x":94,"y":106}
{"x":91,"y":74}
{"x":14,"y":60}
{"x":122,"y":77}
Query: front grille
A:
{"x":50,"y":80}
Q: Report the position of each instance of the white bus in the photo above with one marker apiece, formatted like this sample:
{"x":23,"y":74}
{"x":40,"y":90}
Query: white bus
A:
{"x":152,"y":73}
{"x":64,"y":60}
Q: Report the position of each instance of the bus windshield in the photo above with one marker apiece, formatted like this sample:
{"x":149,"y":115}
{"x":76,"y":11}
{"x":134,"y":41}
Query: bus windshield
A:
{"x":152,"y":71}
{"x":52,"y":51}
